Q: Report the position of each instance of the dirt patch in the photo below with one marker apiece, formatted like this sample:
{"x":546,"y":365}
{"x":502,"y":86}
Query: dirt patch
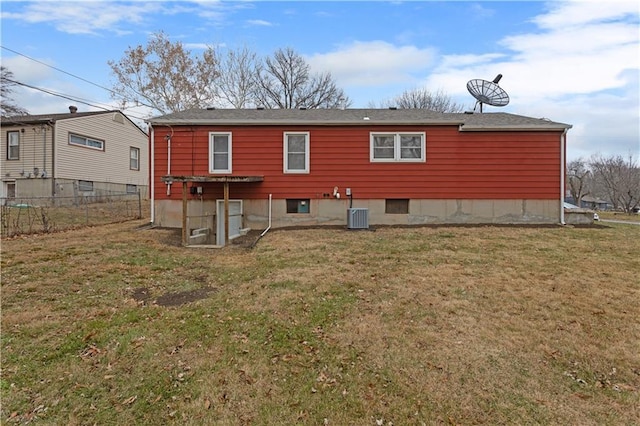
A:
{"x":183,"y":297}
{"x":248,"y":240}
{"x":173,"y":237}
{"x":143,"y":295}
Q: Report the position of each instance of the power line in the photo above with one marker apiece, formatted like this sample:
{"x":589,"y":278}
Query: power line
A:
{"x":50,"y":92}
{"x":58,"y":69}
{"x":75,"y":76}
{"x":74,"y":99}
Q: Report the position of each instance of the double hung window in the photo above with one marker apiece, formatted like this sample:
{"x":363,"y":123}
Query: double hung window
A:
{"x":296,"y":152}
{"x":13,"y":145}
{"x":219,"y":152}
{"x":390,"y":147}
{"x":134,"y":158}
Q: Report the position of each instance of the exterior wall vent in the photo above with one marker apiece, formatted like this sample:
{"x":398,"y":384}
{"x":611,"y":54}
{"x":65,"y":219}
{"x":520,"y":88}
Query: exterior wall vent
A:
{"x":118,"y":118}
{"x":357,"y":218}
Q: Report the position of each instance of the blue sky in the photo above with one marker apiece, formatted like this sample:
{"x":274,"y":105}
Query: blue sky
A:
{"x":576,"y":62}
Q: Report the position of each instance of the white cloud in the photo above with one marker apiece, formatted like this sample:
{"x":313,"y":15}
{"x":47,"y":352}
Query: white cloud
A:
{"x":198,"y":46}
{"x":97,"y":16}
{"x":84,"y":17}
{"x":259,"y":23}
{"x":26,"y":70}
{"x":374,"y":63}
{"x":581,"y":12}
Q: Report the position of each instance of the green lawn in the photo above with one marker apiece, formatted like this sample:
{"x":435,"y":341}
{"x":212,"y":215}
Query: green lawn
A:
{"x":432,"y":325}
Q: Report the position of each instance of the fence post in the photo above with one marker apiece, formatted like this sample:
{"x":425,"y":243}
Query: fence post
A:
{"x":139,"y":205}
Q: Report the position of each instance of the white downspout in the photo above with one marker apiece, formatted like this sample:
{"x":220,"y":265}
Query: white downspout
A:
{"x":563,"y":144}
{"x":152,"y":174}
{"x":169,"y":164}
{"x":269,"y":227}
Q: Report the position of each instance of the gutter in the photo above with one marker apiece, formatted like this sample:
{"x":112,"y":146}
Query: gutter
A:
{"x":294,"y":122}
{"x":523,"y":128}
{"x":268,"y":227}
{"x":54,"y":190}
{"x":563,"y":145}
{"x":151,"y":173}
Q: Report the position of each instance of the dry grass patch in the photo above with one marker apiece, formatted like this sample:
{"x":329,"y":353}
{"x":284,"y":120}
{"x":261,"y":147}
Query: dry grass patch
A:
{"x":404,"y":326}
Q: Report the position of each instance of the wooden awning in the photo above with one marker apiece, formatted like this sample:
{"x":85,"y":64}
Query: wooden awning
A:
{"x":226,"y":180}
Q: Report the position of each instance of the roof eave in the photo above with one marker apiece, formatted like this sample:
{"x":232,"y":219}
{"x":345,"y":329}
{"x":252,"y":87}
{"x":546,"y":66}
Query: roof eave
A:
{"x":521,"y":128}
{"x":175,"y":122}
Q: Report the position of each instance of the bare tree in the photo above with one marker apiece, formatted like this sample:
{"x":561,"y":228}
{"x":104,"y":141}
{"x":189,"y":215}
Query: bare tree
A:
{"x":619,"y":179}
{"x":7,"y":103}
{"x":237,"y":81}
{"x":578,"y":175}
{"x":285,"y":81}
{"x":165,"y":76}
{"x":423,"y":98}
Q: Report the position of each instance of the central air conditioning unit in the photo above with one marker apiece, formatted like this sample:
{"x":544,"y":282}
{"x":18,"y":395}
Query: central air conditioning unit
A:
{"x":357,"y":218}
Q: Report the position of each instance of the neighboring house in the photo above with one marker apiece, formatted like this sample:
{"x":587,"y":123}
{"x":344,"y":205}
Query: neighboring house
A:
{"x":64,"y":155}
{"x":594,"y":203}
{"x":277,"y":167}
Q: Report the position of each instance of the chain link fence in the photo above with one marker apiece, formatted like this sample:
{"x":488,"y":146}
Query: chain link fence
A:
{"x":31,"y":215}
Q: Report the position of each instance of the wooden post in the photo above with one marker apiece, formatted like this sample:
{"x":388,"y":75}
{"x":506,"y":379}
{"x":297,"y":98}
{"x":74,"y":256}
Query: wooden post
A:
{"x":184,"y":213}
{"x":226,"y":213}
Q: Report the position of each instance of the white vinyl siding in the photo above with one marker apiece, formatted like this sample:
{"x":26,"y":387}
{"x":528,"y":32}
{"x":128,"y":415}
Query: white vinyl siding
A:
{"x":296,"y":152}
{"x":35,"y":151}
{"x":111,"y":165}
{"x":220,"y":157}
{"x":398,"y":147}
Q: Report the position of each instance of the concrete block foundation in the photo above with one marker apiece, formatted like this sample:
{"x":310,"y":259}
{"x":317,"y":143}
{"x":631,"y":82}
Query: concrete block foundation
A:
{"x":255,"y":215}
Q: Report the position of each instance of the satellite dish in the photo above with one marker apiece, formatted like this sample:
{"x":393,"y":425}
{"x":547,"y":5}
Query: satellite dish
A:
{"x":488,"y":92}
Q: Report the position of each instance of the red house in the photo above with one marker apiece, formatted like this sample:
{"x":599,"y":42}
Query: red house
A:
{"x":351,"y":167}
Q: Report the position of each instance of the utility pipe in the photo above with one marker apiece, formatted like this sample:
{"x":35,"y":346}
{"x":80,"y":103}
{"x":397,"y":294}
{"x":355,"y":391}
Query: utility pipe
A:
{"x":168,"y":163}
{"x":268,"y":227}
{"x":44,"y":148}
{"x":563,"y":144}
{"x":151,"y":173}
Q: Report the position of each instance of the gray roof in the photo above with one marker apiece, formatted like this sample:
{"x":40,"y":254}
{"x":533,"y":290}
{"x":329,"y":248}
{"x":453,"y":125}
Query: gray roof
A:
{"x":49,"y":118}
{"x":329,"y":117}
{"x":52,"y":118}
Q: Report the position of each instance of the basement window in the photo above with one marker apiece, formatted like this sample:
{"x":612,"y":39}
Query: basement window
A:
{"x":85,"y":185}
{"x":396,"y":206}
{"x":298,"y":205}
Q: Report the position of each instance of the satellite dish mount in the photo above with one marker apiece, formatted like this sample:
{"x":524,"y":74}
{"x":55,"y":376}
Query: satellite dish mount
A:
{"x":487,"y":92}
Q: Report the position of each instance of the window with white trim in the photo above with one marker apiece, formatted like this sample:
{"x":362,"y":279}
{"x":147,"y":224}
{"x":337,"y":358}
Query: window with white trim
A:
{"x":298,"y":205}
{"x":13,"y":145}
{"x":86,"y":142}
{"x":389,"y":147}
{"x":134,"y":158}
{"x":219,"y":152}
{"x":296,"y":152}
